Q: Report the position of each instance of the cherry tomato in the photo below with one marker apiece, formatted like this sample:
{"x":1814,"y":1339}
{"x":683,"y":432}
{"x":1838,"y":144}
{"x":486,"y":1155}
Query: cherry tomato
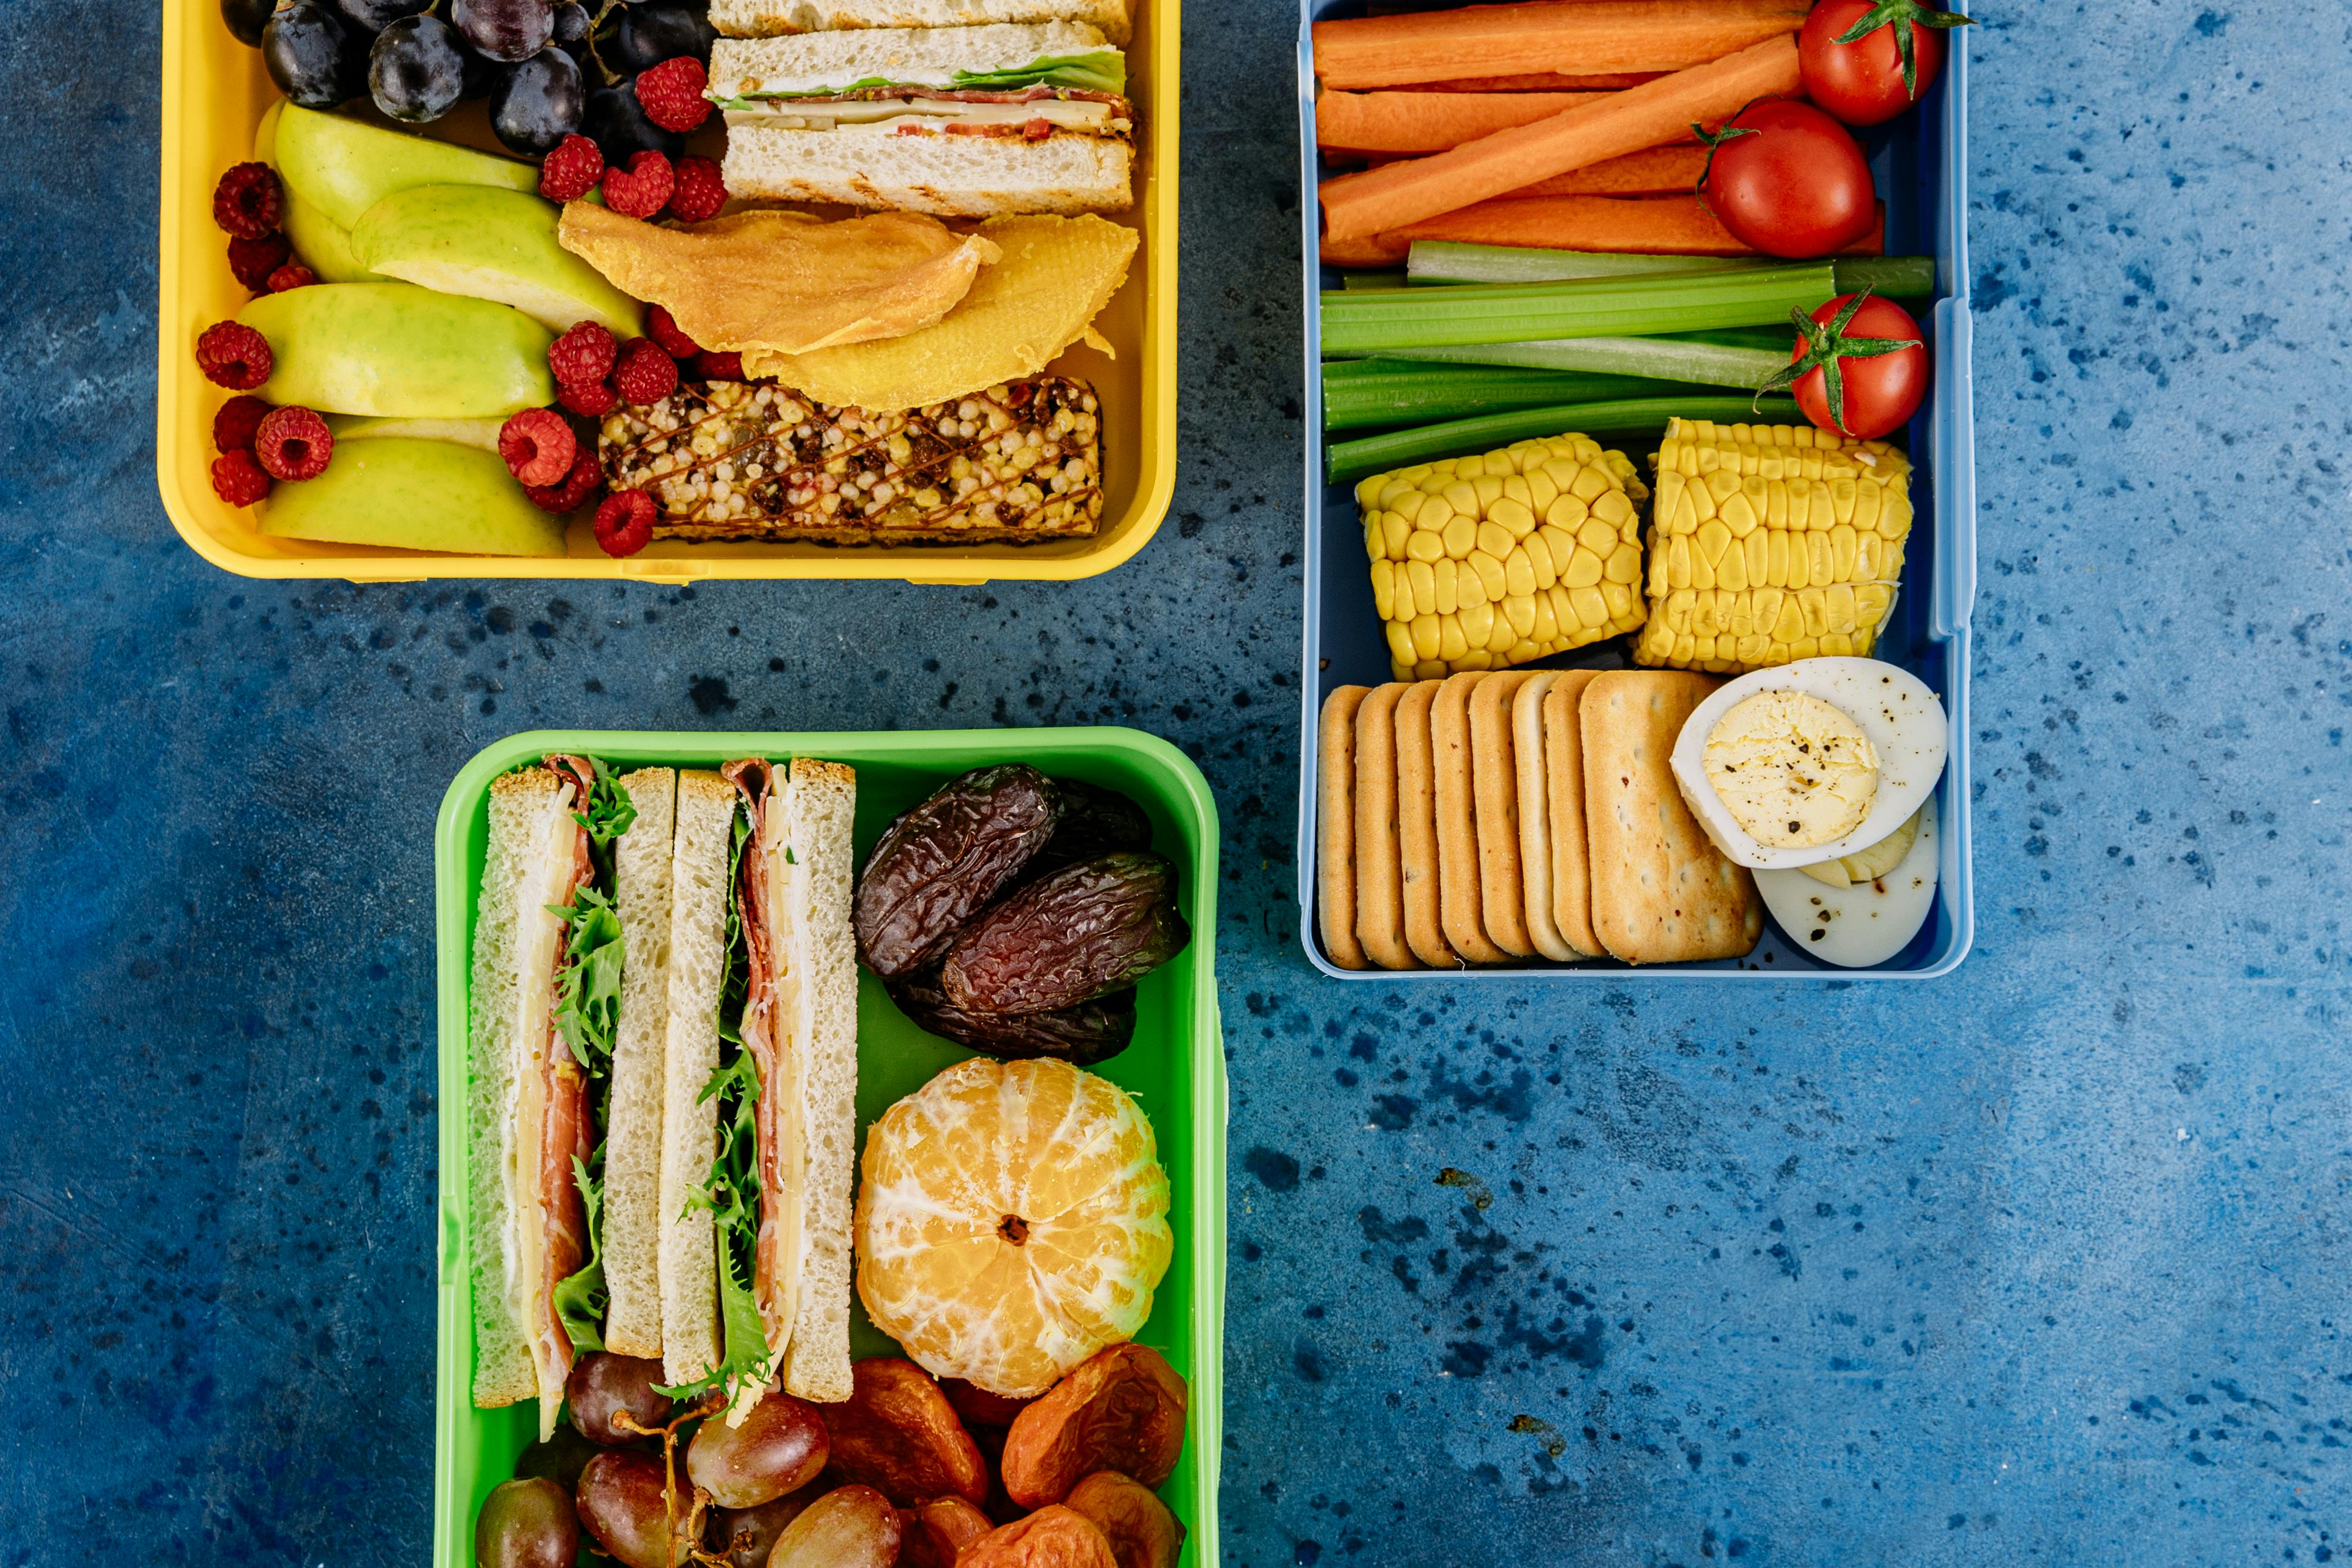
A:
{"x":1871,"y":80}
{"x":1787,"y":179}
{"x":1881,"y":361}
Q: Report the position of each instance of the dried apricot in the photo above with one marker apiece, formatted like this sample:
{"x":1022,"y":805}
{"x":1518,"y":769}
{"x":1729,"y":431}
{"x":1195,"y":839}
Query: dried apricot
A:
{"x":1142,"y":1532}
{"x":978,"y":1407}
{"x":1053,"y":1537}
{"x":938,"y":1532}
{"x":1120,"y":1409}
{"x":898,"y":1434}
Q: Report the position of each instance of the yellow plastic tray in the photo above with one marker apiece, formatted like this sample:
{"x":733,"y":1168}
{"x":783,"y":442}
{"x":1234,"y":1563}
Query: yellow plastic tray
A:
{"x":214,"y":93}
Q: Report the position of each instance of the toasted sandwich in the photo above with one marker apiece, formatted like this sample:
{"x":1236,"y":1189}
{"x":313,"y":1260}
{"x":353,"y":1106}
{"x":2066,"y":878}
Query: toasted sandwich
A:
{"x":958,"y":122}
{"x":553,"y":1030}
{"x":761,"y":1085}
{"x":775,"y":18}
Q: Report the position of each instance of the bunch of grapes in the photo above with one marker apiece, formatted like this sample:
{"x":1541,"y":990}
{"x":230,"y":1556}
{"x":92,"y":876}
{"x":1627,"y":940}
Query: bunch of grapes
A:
{"x":550,"y":68}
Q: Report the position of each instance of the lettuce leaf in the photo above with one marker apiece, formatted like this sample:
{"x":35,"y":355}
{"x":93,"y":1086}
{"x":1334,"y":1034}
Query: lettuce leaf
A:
{"x":607,"y":813}
{"x":1098,"y":70}
{"x":582,"y":1298}
{"x":730,"y":1195}
{"x":588,"y":991}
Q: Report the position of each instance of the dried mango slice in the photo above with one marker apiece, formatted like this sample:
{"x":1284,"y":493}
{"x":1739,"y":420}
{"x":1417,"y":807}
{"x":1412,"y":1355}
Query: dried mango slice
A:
{"x":783,"y":282}
{"x":1055,"y":275}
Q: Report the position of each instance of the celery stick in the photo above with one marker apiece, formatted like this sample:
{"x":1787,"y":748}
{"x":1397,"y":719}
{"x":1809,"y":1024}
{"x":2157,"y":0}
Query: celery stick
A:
{"x":1345,"y":461}
{"x":1389,"y":319}
{"x":1359,"y":394}
{"x":1447,"y":261}
{"x":1444,"y":261}
{"x":1659,"y":359}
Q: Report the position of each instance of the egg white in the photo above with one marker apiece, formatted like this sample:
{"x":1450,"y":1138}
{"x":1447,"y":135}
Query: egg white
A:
{"x":1867,"y":923}
{"x":1899,"y":713}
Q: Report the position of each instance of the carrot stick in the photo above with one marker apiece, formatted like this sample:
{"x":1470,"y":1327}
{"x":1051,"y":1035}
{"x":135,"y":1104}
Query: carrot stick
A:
{"x":1429,"y":121}
{"x":1587,"y":36}
{"x":1659,"y":172}
{"x":1658,"y":225}
{"x":1372,"y":250}
{"x":1544,"y":81}
{"x":1639,"y":118}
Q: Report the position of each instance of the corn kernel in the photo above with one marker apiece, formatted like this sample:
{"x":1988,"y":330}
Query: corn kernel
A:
{"x":1584,"y":571}
{"x":1514,"y":516}
{"x":1623,"y":565}
{"x":1489,"y":489}
{"x":1461,"y":537}
{"x":1450,"y":645}
{"x":1443,"y":572}
{"x":1421,"y":578}
{"x":1548,"y":621}
{"x":1424,"y":545}
{"x":1400,"y":651}
{"x":1489,"y":568}
{"x":1478,"y":624}
{"x":1539,"y":558}
{"x":1424,"y":635}
{"x":1503,"y":638}
{"x":1519,"y":574}
{"x":1375,"y":540}
{"x":1496,"y":539}
{"x":1521,"y":610}
{"x":1384,"y":588}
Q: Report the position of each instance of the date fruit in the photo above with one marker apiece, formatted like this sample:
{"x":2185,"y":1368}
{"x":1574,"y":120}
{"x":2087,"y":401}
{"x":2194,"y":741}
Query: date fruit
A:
{"x":941,"y":863}
{"x":848,"y":1527}
{"x":1094,"y":821}
{"x":779,"y":1447}
{"x":1092,"y":1031}
{"x":1086,"y":931}
{"x":938,"y":1532}
{"x":1053,"y":1537}
{"x":1142,"y":1532}
{"x":1120,"y":1409}
{"x":898,"y":1434}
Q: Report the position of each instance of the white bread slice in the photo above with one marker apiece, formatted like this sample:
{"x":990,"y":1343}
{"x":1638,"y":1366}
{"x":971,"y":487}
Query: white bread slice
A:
{"x":633,"y":1130}
{"x":816,"y":973}
{"x":919,"y":57}
{"x":691,"y":1345}
{"x":771,"y":18}
{"x":950,"y":176}
{"x":515,"y":942}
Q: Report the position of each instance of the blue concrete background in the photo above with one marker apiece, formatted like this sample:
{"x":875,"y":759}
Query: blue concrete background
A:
{"x":2043,"y":1264}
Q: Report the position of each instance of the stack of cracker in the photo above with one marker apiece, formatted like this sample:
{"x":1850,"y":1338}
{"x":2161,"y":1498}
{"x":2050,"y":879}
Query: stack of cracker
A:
{"x":1492,"y":818}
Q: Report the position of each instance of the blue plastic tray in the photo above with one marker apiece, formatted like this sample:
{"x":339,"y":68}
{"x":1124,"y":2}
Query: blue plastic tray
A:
{"x":1920,"y":164}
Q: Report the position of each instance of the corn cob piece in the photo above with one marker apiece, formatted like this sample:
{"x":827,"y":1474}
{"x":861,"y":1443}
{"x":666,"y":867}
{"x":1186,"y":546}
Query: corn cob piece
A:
{"x":1020,"y":463}
{"x":1479,"y":563}
{"x":1771,"y":542}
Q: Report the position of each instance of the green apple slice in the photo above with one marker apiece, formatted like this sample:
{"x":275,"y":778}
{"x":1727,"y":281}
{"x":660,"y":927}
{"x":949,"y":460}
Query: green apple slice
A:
{"x":413,"y":495}
{"x":322,"y":245}
{"x":402,"y":352}
{"x":490,"y":244}
{"x":343,"y":167}
{"x":265,"y":132}
{"x":482,"y":435}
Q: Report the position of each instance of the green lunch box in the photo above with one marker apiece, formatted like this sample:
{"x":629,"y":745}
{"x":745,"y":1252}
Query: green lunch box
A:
{"x":1175,"y":1068}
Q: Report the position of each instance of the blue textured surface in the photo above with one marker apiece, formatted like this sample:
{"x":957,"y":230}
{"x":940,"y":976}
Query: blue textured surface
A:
{"x":2046,"y":1262}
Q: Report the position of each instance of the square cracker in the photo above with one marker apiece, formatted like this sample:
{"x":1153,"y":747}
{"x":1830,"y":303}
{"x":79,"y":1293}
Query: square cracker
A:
{"x":1379,"y":908}
{"x":1460,"y":900}
{"x":1495,"y":795}
{"x":1571,"y":856}
{"x":1662,"y":892}
{"x":1417,"y":829}
{"x":1335,"y":831}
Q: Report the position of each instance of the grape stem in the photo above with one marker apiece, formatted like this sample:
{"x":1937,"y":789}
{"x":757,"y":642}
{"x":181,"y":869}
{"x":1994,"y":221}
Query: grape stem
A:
{"x":708,"y":1406}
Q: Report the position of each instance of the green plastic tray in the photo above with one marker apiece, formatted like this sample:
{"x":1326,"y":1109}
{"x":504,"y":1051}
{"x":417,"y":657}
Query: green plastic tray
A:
{"x":1175,"y":1069}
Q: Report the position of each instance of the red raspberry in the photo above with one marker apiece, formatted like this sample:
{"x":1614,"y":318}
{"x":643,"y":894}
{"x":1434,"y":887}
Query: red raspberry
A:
{"x":671,"y":93}
{"x":625,"y":523}
{"x":645,"y":374}
{"x":711,"y":367}
{"x":248,"y":202}
{"x":587,"y":477}
{"x":232,"y":355}
{"x":700,"y":191}
{"x":582,"y":354}
{"x":293,"y":275}
{"x":238,"y":479}
{"x":662,"y":328}
{"x":234,"y":426}
{"x":572,"y":170}
{"x":538,"y":445}
{"x":253,"y":260}
{"x":292,"y":443}
{"x":643,"y":188}
{"x":594,"y":399}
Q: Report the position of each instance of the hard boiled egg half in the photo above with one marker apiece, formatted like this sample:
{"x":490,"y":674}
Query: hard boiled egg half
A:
{"x":1852,"y":913}
{"x":1810,"y":761}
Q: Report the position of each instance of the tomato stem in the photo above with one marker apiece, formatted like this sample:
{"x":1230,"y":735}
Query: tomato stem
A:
{"x":1826,"y":346}
{"x":1903,"y":16}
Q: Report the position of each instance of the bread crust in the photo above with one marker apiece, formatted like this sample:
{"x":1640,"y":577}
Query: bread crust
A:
{"x":948,"y":176}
